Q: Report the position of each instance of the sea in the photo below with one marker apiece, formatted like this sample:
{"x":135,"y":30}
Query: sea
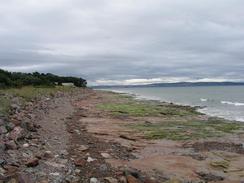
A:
{"x":220,"y":101}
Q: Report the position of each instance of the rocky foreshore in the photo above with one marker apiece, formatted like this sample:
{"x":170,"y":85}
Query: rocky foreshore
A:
{"x":66,"y":137}
{"x":35,"y":144}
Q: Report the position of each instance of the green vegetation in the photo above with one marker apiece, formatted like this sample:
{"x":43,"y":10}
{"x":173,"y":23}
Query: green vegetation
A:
{"x":187,"y":130}
{"x":174,"y":122}
{"x":26,"y":94}
{"x":142,"y":109}
{"x":18,"y":79}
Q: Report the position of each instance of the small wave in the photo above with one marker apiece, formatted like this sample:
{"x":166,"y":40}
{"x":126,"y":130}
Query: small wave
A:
{"x":204,"y":100}
{"x":232,"y":103}
{"x":239,"y":119}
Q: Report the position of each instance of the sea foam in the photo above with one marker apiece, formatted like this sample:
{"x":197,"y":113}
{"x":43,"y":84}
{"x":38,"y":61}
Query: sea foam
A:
{"x":232,"y":103}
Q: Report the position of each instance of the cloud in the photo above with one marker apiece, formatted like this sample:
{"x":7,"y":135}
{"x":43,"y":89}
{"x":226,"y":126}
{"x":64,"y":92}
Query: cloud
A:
{"x":124,"y":41}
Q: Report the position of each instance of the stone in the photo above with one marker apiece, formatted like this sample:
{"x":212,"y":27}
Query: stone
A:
{"x":103,"y":168}
{"x":122,"y":179}
{"x":15,"y":106}
{"x":2,"y":172}
{"x":54,"y":164}
{"x":9,"y":126}
{"x":131,"y":179}
{"x":111,"y":180}
{"x":2,"y":146}
{"x":17,"y":133}
{"x":43,"y":181}
{"x":89,"y":159}
{"x":32,"y":162}
{"x":83,"y":148}
{"x":1,"y":122}
{"x":174,"y":181}
{"x":72,"y":179}
{"x":26,"y":145}
{"x":3,"y":130}
{"x":55,"y":174}
{"x":80,"y":162}
{"x":10,"y":169}
{"x":25,"y":178}
{"x":105,"y":155}
{"x":150,"y":180}
{"x":2,"y":162}
{"x":12,"y":180}
{"x":11,"y":145}
{"x":64,"y":153}
{"x":29,"y":126}
{"x":48,"y":154}
{"x":77,"y":171}
{"x":94,"y":180}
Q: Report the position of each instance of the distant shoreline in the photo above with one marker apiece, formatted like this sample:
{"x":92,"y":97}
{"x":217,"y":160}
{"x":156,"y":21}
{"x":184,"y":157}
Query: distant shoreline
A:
{"x":178,"y":84}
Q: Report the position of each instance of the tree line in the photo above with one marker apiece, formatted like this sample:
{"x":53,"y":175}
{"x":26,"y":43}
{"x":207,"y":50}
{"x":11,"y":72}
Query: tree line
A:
{"x":19,"y":79}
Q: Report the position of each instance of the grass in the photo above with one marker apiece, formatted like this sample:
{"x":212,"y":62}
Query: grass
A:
{"x":187,"y":130}
{"x":142,"y":109}
{"x":25,"y":94}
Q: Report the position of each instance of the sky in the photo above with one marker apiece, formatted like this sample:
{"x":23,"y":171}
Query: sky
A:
{"x":125,"y":41}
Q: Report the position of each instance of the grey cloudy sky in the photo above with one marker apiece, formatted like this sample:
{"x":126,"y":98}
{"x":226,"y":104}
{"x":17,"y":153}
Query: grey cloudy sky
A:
{"x":125,"y":41}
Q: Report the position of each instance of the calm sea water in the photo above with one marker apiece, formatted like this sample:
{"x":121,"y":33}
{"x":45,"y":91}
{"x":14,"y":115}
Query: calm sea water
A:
{"x":222,"y":101}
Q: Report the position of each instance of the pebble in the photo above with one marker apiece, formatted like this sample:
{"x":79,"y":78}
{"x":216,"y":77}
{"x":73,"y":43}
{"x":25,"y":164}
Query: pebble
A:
{"x":32,"y":162}
{"x":26,"y":145}
{"x":10,"y":126}
{"x":2,"y":162}
{"x":105,"y":155}
{"x":131,"y":179}
{"x":77,"y":171}
{"x":103,"y":168}
{"x":89,"y":159}
{"x":12,"y":181}
{"x":47,"y":154}
{"x":17,"y":133}
{"x":3,"y":130}
{"x":94,"y":180}
{"x":111,"y":180}
{"x":64,"y":153}
{"x":55,"y":174}
{"x":79,"y":162}
{"x":122,"y":179}
{"x":83,"y":148}
{"x":11,"y":145}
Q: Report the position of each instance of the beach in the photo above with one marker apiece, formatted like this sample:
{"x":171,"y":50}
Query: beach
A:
{"x":84,"y":135}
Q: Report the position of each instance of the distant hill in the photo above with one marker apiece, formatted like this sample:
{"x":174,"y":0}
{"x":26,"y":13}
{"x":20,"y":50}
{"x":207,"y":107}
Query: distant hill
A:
{"x":179,"y":84}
